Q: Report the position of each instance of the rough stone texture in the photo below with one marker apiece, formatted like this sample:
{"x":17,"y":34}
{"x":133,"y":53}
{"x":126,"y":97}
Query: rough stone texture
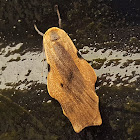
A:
{"x":89,"y":23}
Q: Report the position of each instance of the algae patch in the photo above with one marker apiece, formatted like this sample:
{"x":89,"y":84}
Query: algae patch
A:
{"x":17,"y":123}
{"x":133,"y":106}
{"x":29,"y":114}
{"x":16,"y":59}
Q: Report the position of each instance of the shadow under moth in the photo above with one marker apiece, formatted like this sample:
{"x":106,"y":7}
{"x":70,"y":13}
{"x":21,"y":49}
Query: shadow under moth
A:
{"x":71,"y":80}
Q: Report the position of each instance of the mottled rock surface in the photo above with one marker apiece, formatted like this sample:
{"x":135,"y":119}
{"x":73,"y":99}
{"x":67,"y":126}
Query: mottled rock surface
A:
{"x":107,"y":35}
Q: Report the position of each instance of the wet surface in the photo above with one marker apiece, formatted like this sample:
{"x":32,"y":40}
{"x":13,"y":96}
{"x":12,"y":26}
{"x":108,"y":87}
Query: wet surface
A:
{"x":26,"y":109}
{"x":23,"y":69}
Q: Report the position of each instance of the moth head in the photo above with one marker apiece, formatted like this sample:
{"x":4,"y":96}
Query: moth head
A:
{"x":52,"y":34}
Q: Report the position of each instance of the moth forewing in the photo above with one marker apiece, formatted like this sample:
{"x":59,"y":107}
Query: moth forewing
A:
{"x":71,"y":80}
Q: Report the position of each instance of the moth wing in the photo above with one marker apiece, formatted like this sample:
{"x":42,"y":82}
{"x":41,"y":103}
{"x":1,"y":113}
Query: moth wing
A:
{"x":72,"y":82}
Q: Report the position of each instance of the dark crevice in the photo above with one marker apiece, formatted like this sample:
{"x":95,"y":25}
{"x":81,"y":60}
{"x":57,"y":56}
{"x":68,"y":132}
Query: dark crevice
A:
{"x":79,"y":55}
{"x":48,"y":67}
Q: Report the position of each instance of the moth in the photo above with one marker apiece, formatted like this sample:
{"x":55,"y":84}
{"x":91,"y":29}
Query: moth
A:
{"x":71,"y":80}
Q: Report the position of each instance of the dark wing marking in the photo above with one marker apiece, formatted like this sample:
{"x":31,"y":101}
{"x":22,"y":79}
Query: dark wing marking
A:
{"x":70,"y":76}
{"x":61,"y":85}
{"x":73,"y":79}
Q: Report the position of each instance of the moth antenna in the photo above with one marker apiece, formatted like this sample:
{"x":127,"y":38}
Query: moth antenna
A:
{"x":58,"y":14}
{"x":40,"y":33}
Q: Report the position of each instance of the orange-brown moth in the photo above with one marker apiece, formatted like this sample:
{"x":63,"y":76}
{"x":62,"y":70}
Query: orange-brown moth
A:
{"x":71,"y":80}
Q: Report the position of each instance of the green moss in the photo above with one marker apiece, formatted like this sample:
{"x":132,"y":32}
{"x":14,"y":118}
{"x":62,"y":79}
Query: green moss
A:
{"x":91,"y":25}
{"x":17,"y":51}
{"x":127,"y":63}
{"x":115,"y":62}
{"x":46,"y":120}
{"x":42,"y":118}
{"x":8,"y":54}
{"x":9,"y":136}
{"x":100,"y":60}
{"x":98,"y":63}
{"x":137,"y":62}
{"x":17,"y":59}
{"x":18,"y":122}
{"x":134,"y":130}
{"x":14,"y":52}
{"x":9,"y":84}
{"x":84,"y":52}
{"x":111,"y":43}
{"x":133,"y":107}
{"x":133,"y":40}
